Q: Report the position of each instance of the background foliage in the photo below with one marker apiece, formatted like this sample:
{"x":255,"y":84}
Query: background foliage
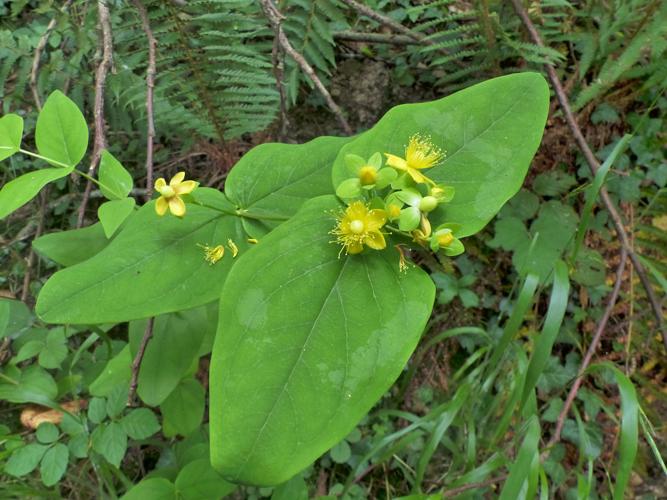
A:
{"x":509,"y":318}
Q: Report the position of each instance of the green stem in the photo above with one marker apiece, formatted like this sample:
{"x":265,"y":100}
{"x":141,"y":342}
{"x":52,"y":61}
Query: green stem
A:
{"x":50,"y":160}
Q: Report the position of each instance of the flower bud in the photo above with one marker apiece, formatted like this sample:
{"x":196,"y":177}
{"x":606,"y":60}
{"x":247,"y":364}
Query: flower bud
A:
{"x":428,"y":204}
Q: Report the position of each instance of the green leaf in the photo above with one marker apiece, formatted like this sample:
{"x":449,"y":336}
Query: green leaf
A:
{"x":35,"y":385}
{"x":552,"y":324}
{"x":113,"y":213}
{"x":47,"y":433}
{"x":553,"y":183}
{"x":11,"y":132}
{"x":78,"y":445}
{"x":15,"y":317}
{"x":21,"y":190}
{"x":170,"y":353}
{"x":25,"y":459}
{"x":140,"y":423}
{"x":340,"y":330}
{"x":276,"y":179}
{"x":61,"y":133}
{"x":198,"y":481}
{"x":183,"y":410}
{"x":71,"y":247}
{"x":152,"y":266}
{"x":97,"y":410}
{"x":116,"y":373}
{"x":117,"y":401}
{"x":111,"y":441}
{"x":341,"y":452}
{"x":349,"y":188}
{"x":520,"y":469}
{"x":54,"y":464}
{"x":116,"y":182}
{"x":294,"y":489}
{"x":490,"y":132}
{"x":55,"y":350}
{"x":155,"y":488}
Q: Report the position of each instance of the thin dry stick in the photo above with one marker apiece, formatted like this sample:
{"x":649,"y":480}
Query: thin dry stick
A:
{"x":277,"y":57}
{"x":594,"y":166}
{"x":275,"y":18}
{"x":591,"y":350}
{"x":38,"y":54}
{"x":150,"y":85}
{"x":136,"y":363}
{"x":98,"y":111}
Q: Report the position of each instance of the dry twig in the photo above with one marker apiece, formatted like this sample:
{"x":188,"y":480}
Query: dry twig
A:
{"x":150,"y":85}
{"x":136,"y":363}
{"x":555,"y":438}
{"x":275,"y":18}
{"x":594,"y":166}
{"x":38,"y":54}
{"x":98,"y":110}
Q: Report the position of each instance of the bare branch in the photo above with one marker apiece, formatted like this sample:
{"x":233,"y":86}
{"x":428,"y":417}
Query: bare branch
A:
{"x":38,"y":54}
{"x":277,"y":57}
{"x":150,"y":85}
{"x":591,"y":350}
{"x":98,"y":110}
{"x":594,"y":165}
{"x":275,"y":18}
{"x":136,"y":363}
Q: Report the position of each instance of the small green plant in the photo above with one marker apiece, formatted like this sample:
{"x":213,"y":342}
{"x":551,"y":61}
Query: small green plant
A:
{"x":319,"y":305}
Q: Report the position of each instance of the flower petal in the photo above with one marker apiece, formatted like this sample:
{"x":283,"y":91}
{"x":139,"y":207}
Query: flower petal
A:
{"x":356,"y":210}
{"x":177,"y":179}
{"x":176,"y":206}
{"x":353,"y":247}
{"x":160,"y":184}
{"x":396,"y":162}
{"x":417,"y":176}
{"x":161,"y":205}
{"x":375,"y":240}
{"x":185,"y":187}
{"x":375,"y":219}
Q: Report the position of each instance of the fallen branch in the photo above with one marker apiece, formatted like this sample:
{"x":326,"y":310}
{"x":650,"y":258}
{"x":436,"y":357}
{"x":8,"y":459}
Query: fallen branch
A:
{"x":555,"y":438}
{"x":150,"y":85}
{"x":136,"y":363}
{"x":275,"y":18}
{"x":594,"y":165}
{"x":38,"y":54}
{"x":98,"y":110}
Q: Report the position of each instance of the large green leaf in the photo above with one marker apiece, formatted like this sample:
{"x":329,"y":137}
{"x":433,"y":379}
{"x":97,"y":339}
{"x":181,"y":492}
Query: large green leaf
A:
{"x":21,"y":190}
{"x":176,"y":340}
{"x":274,"y":180}
{"x":61,"y":133}
{"x":490,"y":132}
{"x":153,"y":266}
{"x":11,"y":132}
{"x":307,"y":342}
{"x":71,"y":247}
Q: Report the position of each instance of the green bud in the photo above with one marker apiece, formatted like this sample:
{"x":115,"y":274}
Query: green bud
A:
{"x":428,"y":204}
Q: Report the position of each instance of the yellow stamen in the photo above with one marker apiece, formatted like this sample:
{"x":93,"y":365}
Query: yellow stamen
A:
{"x":212,"y":254}
{"x":232,"y":246}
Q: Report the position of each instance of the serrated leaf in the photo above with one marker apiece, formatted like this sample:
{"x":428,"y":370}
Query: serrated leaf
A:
{"x":111,"y":442}
{"x":116,"y":182}
{"x":276,"y":406}
{"x":140,"y":423}
{"x":25,"y":459}
{"x":54,"y":464}
{"x":61,"y":133}
{"x":117,"y":400}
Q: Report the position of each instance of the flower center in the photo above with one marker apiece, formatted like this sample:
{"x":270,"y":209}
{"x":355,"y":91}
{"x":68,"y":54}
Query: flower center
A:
{"x":445,"y":239}
{"x":357,"y":226}
{"x":167,"y":191}
{"x":367,"y":175}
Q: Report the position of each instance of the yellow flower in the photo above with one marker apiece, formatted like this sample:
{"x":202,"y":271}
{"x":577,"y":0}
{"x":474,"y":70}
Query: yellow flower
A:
{"x":212,"y":254}
{"x":170,"y":194}
{"x":358,"y":226}
{"x":420,"y":154}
